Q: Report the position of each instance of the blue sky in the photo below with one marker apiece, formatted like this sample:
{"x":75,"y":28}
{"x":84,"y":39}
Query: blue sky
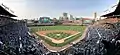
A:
{"x":55,"y":8}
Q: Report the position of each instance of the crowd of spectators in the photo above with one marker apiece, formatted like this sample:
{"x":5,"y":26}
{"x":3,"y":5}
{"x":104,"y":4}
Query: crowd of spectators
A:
{"x":15,"y":39}
{"x":94,"y":44}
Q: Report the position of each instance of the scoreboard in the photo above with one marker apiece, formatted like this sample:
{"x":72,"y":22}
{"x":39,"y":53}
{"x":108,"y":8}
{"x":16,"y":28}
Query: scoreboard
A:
{"x":44,"y":20}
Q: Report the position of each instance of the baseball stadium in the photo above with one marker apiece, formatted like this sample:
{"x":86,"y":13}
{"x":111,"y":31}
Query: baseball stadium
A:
{"x":59,"y":36}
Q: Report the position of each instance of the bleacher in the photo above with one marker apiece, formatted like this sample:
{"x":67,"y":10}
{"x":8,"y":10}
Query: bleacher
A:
{"x":93,"y":45}
{"x":15,"y":39}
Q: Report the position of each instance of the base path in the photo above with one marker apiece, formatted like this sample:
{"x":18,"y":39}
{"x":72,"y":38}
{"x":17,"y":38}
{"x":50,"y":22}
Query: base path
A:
{"x":43,"y":34}
{"x":58,"y":49}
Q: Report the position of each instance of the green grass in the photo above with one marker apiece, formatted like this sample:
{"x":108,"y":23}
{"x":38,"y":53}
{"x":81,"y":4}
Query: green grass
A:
{"x":45,"y":28}
{"x":55,"y":36}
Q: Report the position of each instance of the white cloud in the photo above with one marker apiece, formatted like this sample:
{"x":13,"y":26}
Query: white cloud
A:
{"x":23,"y":9}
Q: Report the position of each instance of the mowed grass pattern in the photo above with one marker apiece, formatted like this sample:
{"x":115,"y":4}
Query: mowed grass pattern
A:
{"x":67,"y":41}
{"x":45,"y":28}
{"x":58,"y":37}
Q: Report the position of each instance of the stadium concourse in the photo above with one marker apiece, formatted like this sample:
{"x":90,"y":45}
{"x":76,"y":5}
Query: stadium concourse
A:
{"x":15,"y":39}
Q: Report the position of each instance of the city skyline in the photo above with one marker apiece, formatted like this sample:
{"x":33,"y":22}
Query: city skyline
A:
{"x":52,"y":8}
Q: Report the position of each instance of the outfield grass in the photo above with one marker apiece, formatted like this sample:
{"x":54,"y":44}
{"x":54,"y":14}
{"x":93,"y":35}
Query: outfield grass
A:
{"x":58,"y":37}
{"x":45,"y":28}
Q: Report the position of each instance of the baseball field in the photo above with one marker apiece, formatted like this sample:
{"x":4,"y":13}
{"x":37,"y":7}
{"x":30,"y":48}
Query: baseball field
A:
{"x":58,"y":36}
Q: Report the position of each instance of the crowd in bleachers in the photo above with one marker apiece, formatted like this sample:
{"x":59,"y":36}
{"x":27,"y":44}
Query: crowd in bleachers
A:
{"x":15,"y":39}
{"x":92,"y":44}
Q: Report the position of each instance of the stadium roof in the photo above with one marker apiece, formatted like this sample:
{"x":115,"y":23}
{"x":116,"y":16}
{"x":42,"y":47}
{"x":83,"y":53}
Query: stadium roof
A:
{"x":4,"y":12}
{"x":114,"y":13}
{"x":9,"y":18}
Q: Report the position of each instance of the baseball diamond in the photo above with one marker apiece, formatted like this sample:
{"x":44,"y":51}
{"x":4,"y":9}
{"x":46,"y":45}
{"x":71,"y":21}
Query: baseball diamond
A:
{"x":58,"y":36}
